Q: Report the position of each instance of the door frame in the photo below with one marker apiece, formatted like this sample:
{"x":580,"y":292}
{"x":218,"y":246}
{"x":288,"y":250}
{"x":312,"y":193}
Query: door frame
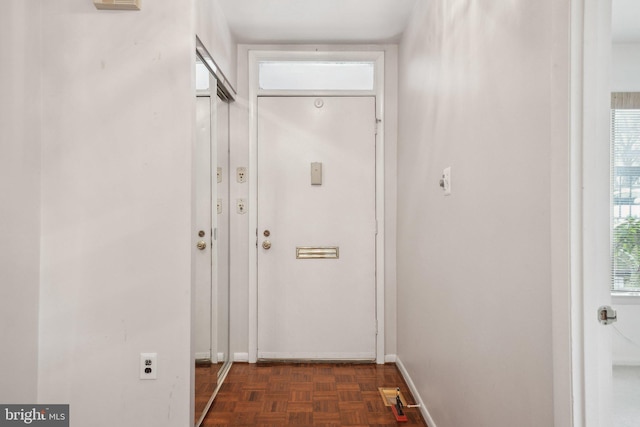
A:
{"x":590,"y":387}
{"x":255,"y":56}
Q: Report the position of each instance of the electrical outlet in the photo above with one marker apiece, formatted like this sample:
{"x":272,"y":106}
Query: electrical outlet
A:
{"x":219,"y":175}
{"x":241,"y":206}
{"x":148,"y":366}
{"x":241,"y":175}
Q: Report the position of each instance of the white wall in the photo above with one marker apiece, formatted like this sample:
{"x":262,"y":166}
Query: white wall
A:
{"x":240,"y":157}
{"x":626,"y":334}
{"x":475,"y":268}
{"x":626,"y":67}
{"x":118,"y":125}
{"x":212,"y":28}
{"x":20,"y":100}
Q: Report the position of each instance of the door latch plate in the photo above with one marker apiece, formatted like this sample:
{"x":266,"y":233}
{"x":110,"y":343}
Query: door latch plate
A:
{"x":607,"y":315}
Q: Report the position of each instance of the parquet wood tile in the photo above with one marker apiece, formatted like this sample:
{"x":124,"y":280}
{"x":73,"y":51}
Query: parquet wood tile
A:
{"x":206,"y":378}
{"x":308,"y":394}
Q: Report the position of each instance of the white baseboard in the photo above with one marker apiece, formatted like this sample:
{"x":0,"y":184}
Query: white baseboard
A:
{"x":315,"y":356}
{"x":203,"y":355}
{"x":414,"y":392}
{"x":244,"y":357}
{"x":240,"y":357}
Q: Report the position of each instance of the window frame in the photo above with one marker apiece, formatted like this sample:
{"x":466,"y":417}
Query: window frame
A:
{"x":621,"y":101}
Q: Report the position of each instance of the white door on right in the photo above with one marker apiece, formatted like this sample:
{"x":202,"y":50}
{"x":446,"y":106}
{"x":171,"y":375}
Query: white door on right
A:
{"x":316,"y":228}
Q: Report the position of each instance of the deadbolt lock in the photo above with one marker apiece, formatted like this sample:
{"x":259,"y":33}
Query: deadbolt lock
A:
{"x":266,"y":244}
{"x":267,"y":233}
{"x":202,"y":245}
{"x":201,"y":233}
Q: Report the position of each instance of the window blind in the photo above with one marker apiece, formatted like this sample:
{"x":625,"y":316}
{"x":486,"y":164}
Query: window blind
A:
{"x":625,"y":138}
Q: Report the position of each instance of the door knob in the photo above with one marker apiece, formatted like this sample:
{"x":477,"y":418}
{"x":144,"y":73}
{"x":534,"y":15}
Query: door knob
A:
{"x":266,"y":244}
{"x":201,"y":245}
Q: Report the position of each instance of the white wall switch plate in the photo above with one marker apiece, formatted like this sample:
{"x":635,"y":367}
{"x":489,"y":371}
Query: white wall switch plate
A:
{"x":148,"y":366}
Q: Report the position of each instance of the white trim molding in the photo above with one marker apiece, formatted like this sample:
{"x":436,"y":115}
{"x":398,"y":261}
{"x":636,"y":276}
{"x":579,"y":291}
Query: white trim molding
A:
{"x":203,"y":355}
{"x":241,"y":357}
{"x":590,"y":365}
{"x":329,"y":357}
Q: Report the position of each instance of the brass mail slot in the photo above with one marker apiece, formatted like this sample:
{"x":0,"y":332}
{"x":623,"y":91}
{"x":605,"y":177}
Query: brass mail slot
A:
{"x":317,"y":252}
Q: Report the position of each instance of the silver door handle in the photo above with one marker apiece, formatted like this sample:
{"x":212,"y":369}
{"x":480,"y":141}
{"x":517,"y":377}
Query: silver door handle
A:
{"x":202,"y":245}
{"x":266,"y":245}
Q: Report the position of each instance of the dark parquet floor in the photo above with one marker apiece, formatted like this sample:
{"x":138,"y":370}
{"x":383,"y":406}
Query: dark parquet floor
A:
{"x":206,"y":379}
{"x":313,"y":394}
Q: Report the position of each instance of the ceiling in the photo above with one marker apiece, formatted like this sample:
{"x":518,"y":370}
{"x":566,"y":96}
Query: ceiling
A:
{"x":317,"y":21}
{"x":358,"y":21}
{"x":626,"y":21}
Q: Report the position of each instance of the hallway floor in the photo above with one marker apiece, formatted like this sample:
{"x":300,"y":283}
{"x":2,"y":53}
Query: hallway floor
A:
{"x":314,"y":394}
{"x":206,"y":380}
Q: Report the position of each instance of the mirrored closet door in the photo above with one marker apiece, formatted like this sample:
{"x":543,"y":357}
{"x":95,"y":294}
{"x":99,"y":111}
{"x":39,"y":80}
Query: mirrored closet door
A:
{"x":211,"y":233}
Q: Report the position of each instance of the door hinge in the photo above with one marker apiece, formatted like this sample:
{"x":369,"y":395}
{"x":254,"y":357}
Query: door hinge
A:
{"x":378,"y":121}
{"x":607,"y":315}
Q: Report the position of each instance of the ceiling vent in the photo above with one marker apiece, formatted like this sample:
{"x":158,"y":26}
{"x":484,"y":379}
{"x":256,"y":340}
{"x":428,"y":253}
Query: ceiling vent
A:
{"x":117,"y":4}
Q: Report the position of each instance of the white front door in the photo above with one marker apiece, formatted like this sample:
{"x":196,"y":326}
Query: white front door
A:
{"x":316,"y":228}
